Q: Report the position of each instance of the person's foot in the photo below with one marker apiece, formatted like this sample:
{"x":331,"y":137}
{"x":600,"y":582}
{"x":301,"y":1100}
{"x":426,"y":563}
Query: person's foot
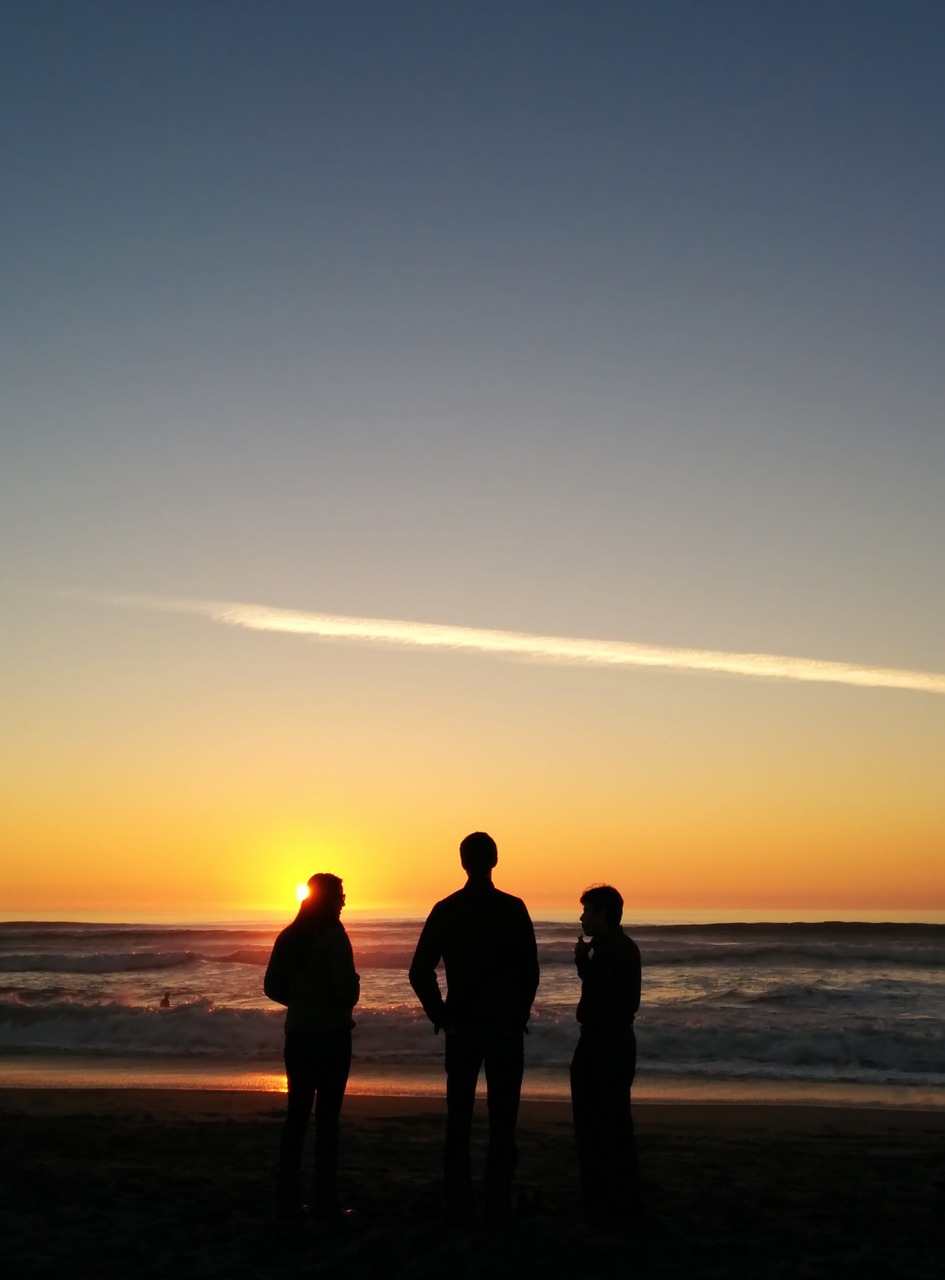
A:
{"x":332,"y":1213}
{"x":626,"y":1225}
{"x":498,"y":1215}
{"x":293,"y":1211}
{"x":460,"y":1208}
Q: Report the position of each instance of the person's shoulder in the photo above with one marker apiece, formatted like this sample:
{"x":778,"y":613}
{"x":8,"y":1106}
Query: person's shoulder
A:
{"x":628,"y":943}
{"x":450,"y":902}
{"x":332,"y":935}
{"x":511,"y":900}
{"x":445,"y":907}
{"x":510,"y":903}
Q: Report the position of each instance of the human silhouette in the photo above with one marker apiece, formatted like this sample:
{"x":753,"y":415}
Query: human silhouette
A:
{"x":604,"y":1063}
{"x":487,"y":943}
{"x":311,"y":971}
{"x":166,"y":1000}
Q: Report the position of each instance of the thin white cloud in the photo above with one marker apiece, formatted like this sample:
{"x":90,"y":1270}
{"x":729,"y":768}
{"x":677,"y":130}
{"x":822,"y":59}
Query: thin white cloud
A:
{"x":537,"y":648}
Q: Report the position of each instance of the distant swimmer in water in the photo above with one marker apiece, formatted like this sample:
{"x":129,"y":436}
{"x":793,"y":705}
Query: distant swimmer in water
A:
{"x":166,"y":1000}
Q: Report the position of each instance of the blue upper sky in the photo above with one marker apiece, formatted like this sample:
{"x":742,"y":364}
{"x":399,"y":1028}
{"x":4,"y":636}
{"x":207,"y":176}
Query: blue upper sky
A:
{"x":614,"y":317}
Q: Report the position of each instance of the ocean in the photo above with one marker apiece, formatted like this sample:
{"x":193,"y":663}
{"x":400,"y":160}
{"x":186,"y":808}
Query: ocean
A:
{"x":832,"y":1011}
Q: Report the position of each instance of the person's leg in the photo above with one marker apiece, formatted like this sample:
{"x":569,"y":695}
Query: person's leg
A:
{"x":332,"y":1064}
{"x":505,"y":1062}
{"x":601,"y":1077}
{"x":587,"y":1135}
{"x":627,"y":1170}
{"x":618,"y":1191}
{"x":464,"y":1053}
{"x":300,"y":1079}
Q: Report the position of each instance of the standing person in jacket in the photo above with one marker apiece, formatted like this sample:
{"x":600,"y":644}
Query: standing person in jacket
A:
{"x":311,"y":971}
{"x":487,"y":943}
{"x":604,"y":1062}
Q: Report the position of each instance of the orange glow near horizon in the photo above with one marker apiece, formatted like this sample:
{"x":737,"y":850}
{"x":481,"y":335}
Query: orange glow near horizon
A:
{"x":765,"y":856}
{"x":710,"y":880}
{"x":692,"y":804}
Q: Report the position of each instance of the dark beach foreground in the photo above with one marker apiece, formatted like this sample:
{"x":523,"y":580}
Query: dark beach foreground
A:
{"x":168,"y":1183}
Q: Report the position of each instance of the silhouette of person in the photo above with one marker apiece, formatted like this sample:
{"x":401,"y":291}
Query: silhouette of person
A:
{"x":311,"y":971}
{"x":604,"y":1063}
{"x":487,"y":943}
{"x":166,"y":1000}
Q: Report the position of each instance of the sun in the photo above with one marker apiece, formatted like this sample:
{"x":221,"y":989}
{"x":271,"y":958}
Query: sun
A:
{"x":301,"y":892}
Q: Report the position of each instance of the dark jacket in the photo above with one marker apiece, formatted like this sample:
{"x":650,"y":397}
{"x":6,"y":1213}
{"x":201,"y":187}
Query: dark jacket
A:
{"x":487,"y":943}
{"x":610,"y":985}
{"x":311,"y":971}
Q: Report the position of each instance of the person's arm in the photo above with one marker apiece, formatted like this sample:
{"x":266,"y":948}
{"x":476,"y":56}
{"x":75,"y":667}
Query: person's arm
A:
{"x":422,"y":972}
{"x":636,"y":977}
{"x":611,"y":993}
{"x":345,"y":981}
{"x":582,"y":957}
{"x":276,"y":981}
{"x":531,"y":973}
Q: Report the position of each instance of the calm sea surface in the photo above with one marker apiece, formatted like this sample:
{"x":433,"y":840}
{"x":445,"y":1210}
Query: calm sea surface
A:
{"x":735,"y":1008}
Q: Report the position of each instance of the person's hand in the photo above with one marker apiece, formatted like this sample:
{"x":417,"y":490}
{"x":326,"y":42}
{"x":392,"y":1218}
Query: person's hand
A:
{"x":582,"y":948}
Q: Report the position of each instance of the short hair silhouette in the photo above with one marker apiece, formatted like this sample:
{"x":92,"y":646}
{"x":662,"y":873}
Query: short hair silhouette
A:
{"x":478,"y":852}
{"x":604,"y":898}
{"x":323,"y":885}
{"x":326,"y":897}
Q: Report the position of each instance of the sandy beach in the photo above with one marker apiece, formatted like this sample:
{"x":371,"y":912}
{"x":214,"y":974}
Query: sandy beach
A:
{"x":175,"y":1183}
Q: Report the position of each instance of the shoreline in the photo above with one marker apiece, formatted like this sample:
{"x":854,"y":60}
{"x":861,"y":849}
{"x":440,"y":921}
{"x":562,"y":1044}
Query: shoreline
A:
{"x":425,"y":1082}
{"x":165,"y":1104}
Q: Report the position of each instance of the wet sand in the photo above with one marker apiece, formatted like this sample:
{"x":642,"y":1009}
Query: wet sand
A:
{"x":176,"y":1183}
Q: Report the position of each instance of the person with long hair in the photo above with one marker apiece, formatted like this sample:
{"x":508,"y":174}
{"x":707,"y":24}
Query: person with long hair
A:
{"x":311,"y":971}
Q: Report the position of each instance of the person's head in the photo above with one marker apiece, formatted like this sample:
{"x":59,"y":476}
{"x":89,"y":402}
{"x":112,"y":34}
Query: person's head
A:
{"x":478,"y":854}
{"x":326,"y":897}
{"x":603,"y":909}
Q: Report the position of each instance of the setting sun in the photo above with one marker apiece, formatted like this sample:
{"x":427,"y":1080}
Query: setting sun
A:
{"x":301,"y":892}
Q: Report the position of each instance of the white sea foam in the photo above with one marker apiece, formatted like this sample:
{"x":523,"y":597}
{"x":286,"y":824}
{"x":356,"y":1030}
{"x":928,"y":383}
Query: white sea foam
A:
{"x":778,"y":1002}
{"x":99,"y":962}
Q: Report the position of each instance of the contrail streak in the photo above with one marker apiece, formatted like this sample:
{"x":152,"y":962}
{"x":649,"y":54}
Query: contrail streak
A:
{"x":597,"y":653}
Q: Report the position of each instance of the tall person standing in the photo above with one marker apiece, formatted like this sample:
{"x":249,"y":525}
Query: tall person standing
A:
{"x":311,"y":971}
{"x":486,"y":941}
{"x":605,"y":1061}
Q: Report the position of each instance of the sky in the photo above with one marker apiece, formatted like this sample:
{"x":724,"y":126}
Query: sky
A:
{"x":414,"y":413}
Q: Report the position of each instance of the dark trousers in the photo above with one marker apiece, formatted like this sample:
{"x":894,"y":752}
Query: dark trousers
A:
{"x":602,"y":1072}
{"x":316,"y":1068}
{"x":503,"y":1055}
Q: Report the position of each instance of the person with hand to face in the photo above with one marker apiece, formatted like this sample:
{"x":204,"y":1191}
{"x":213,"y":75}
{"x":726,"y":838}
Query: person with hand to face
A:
{"x":604,"y":1062}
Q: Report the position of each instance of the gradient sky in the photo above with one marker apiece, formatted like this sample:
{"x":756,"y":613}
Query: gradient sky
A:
{"x":609,"y":321}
